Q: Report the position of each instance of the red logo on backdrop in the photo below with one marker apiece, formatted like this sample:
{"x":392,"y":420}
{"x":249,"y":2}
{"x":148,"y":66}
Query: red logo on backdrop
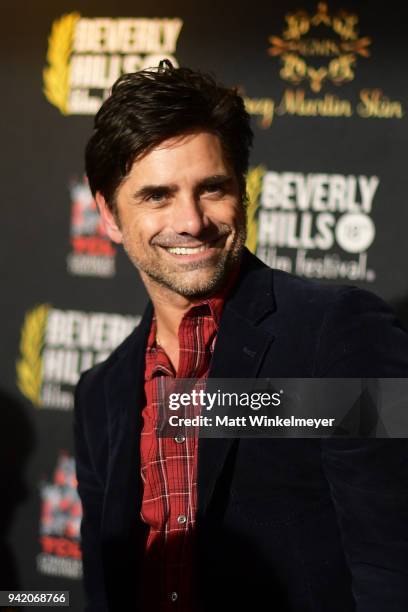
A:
{"x":92,"y":252}
{"x":60,"y":522}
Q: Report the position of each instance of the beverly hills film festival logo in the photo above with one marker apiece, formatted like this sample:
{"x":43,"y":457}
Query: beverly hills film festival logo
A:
{"x":60,"y":521}
{"x":92,"y":252}
{"x":314,"y":225}
{"x":318,"y":51}
{"x":57,"y":345}
{"x":87,"y":55}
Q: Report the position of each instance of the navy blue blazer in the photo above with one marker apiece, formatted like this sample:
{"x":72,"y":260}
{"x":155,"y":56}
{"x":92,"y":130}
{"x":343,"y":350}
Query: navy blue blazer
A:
{"x":286,"y":525}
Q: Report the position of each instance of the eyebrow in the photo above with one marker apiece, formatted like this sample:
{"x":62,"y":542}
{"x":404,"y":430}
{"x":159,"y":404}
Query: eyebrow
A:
{"x":216,"y":179}
{"x":170,"y":189}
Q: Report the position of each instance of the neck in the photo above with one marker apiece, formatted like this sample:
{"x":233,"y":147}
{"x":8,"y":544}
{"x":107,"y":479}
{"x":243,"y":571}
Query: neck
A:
{"x":169,"y":307}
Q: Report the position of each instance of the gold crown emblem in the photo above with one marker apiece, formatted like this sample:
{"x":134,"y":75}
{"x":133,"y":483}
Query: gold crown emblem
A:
{"x":298,"y":44}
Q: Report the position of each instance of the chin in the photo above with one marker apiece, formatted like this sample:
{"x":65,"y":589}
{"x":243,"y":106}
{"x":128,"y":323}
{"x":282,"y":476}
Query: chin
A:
{"x":201,"y":289}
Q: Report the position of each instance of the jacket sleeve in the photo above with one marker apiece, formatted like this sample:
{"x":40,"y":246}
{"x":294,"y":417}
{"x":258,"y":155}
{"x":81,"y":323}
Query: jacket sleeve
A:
{"x":368,"y":478}
{"x":90,"y":490}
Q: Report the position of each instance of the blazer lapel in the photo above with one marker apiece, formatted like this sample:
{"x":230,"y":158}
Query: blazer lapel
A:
{"x":239,"y":351}
{"x":124,"y":389}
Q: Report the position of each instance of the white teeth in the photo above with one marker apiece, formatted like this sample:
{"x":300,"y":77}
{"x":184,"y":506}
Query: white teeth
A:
{"x":187,"y":250}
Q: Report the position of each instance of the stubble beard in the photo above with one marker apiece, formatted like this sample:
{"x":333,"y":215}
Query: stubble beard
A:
{"x":183,"y":282}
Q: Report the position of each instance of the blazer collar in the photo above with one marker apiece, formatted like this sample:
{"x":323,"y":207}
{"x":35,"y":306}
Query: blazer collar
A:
{"x":240,"y":348}
{"x":252,"y":297}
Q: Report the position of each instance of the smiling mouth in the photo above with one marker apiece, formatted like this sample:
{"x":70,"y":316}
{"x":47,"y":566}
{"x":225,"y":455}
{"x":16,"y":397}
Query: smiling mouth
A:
{"x":186,"y":250}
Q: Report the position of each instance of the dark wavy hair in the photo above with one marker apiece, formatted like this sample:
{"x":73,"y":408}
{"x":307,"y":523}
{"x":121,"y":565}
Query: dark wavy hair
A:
{"x":147,"y":107}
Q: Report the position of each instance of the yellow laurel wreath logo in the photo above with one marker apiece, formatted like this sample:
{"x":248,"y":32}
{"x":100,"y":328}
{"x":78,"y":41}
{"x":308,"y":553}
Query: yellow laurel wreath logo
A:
{"x":29,"y":366}
{"x":56,"y":75}
{"x":293,"y":47}
{"x":254,"y":185}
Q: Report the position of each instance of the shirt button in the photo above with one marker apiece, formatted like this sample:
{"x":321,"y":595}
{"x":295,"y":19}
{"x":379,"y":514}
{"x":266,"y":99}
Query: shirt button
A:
{"x":180,"y":439}
{"x":173,"y":596}
{"x":181,"y":519}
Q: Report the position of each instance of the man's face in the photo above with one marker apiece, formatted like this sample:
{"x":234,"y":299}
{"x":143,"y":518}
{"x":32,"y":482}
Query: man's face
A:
{"x":180,"y":215}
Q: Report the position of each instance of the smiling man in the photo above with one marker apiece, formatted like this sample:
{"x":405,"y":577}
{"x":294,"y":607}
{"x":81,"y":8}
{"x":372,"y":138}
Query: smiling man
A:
{"x":195,"y":524}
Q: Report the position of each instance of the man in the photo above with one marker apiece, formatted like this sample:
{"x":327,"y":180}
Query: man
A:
{"x":188,"y":524}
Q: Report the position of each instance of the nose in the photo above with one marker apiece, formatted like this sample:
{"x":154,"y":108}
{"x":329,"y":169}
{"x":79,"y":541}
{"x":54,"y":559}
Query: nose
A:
{"x":188,"y":216}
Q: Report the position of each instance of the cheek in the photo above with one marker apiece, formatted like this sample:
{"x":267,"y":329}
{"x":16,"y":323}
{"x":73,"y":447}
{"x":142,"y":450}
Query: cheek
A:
{"x":236,"y":216}
{"x":230,"y":213}
{"x":143,"y":227}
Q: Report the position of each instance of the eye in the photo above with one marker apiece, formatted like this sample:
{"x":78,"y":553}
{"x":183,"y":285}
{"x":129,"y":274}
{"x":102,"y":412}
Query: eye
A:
{"x":215,"y":188}
{"x":156,"y":197}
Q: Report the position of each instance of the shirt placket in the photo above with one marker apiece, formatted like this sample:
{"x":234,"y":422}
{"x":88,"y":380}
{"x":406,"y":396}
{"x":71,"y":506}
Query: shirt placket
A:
{"x":177,"y":458}
{"x":183,"y":448}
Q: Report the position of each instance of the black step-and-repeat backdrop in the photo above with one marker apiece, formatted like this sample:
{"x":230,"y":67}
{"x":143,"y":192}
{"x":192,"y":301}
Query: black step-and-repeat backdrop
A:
{"x":325,"y":84}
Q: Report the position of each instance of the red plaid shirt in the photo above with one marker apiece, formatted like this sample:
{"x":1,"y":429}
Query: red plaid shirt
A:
{"x":169,"y":465}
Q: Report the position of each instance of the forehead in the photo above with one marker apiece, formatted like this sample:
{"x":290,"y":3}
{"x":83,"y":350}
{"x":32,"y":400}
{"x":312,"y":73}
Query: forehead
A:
{"x":188,"y":157}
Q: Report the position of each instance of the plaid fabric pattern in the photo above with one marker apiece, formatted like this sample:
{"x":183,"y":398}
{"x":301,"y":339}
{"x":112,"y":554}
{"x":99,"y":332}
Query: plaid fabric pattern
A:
{"x":169,"y":465}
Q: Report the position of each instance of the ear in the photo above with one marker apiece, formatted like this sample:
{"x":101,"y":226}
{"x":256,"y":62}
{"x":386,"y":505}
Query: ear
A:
{"x":108,"y":219}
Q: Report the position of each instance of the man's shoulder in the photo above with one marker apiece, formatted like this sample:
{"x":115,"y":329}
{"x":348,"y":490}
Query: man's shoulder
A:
{"x":349,"y":330}
{"x":92,"y":380}
{"x":323,"y":294}
{"x":120,"y":351}
{"x":293,"y":293}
